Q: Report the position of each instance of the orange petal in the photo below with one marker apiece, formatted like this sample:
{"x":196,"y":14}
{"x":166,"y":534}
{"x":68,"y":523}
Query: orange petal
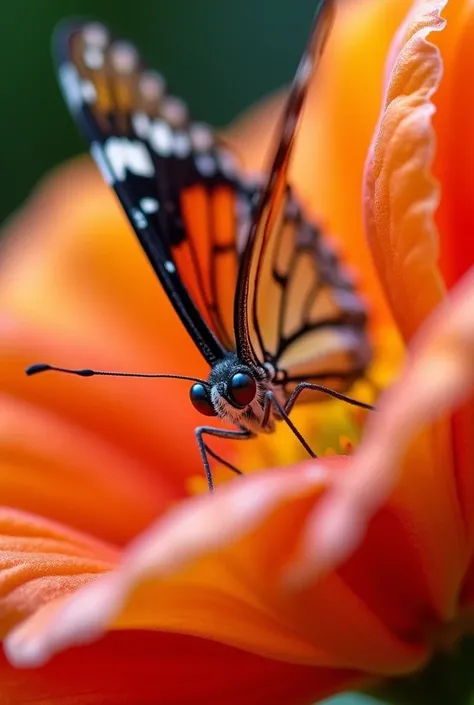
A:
{"x":78,"y":440}
{"x":438,"y":377}
{"x":338,"y":124}
{"x":70,"y":474}
{"x":184,"y":576}
{"x":401,"y":195}
{"x":454,"y":166}
{"x":40,"y":561}
{"x":454,"y":162}
{"x":150,"y":668}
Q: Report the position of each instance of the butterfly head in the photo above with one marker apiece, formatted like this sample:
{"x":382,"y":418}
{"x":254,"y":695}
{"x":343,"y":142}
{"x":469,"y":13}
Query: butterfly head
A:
{"x":234,"y":391}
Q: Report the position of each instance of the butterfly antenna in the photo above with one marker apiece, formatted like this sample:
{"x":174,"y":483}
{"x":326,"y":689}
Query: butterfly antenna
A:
{"x":347,"y":399}
{"x":43,"y":367}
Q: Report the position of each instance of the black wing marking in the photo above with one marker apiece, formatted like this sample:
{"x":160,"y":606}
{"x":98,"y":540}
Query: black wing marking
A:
{"x":177,"y":182}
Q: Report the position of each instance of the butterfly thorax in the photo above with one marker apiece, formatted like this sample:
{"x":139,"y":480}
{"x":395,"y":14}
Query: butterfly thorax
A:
{"x":252,"y":415}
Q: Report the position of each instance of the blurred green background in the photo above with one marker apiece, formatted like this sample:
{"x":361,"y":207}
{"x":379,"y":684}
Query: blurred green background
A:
{"x":219,"y":56}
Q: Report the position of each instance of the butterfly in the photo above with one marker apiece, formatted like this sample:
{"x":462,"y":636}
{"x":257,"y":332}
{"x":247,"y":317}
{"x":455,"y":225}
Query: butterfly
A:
{"x":257,"y":286}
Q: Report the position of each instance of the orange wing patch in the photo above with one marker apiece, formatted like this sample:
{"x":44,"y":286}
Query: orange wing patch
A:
{"x":207,"y":258}
{"x":224,"y":274}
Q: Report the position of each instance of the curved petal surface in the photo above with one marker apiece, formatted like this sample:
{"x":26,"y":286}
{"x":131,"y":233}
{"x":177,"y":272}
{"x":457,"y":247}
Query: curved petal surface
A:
{"x":40,"y":561}
{"x":70,"y":474}
{"x":454,"y":167}
{"x":184,"y":576}
{"x":454,"y":161}
{"x":152,"y":668}
{"x":401,"y":195}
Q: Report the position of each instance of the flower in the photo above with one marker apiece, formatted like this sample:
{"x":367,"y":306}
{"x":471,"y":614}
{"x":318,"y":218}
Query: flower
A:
{"x":284,"y":586}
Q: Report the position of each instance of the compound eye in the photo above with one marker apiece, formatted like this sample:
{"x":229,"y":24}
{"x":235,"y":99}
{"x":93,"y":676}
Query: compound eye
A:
{"x":199,"y":396}
{"x":242,"y":389}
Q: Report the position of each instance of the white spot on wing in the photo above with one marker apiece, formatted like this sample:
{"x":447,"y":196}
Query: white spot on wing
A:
{"x":93,"y":57}
{"x":169,"y":266}
{"x":124,"y":57}
{"x":161,"y":138}
{"x":138,"y":218}
{"x":304,"y":70}
{"x":126,"y":155}
{"x":201,"y":136}
{"x":174,"y":110}
{"x":99,"y":158}
{"x":141,"y":125}
{"x":206,"y":164}
{"x":89,"y":92}
{"x":152,"y":85}
{"x":96,"y":34}
{"x":71,"y":85}
{"x":182,"y":144}
{"x":149,"y":205}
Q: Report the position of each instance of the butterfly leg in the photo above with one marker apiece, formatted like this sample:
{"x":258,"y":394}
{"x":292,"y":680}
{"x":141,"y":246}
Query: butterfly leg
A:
{"x":240,"y":435}
{"x":221,"y":460}
{"x":320,"y":388}
{"x":271,"y":400}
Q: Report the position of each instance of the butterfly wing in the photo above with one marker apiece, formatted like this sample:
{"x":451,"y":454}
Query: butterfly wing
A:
{"x":295,"y":307}
{"x":314,"y":328}
{"x":176,"y":181}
